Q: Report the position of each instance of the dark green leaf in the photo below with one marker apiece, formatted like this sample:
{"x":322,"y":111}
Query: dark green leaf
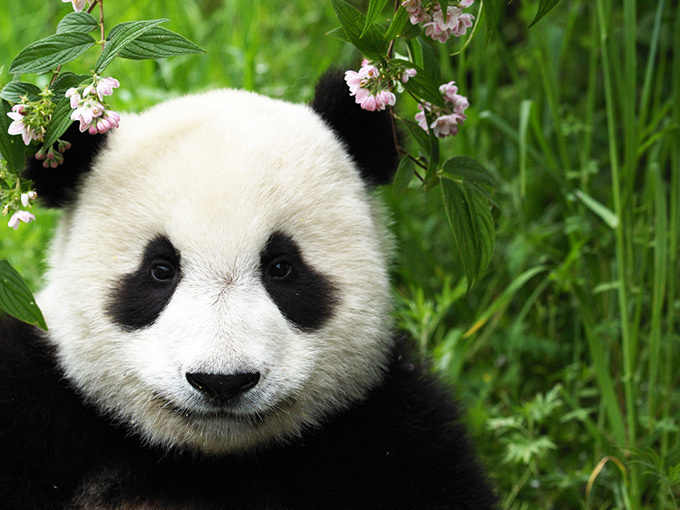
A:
{"x":397,"y":25}
{"x":47,"y":54}
{"x":431,"y":173}
{"x":15,"y":297}
{"x":467,"y":169}
{"x":419,"y":135}
{"x":493,"y":11}
{"x":82,"y":22}
{"x":404,"y":175}
{"x":121,"y":36}
{"x":67,"y":80}
{"x":372,"y":44}
{"x":544,"y":7}
{"x":471,"y":222}
{"x":424,"y":88}
{"x":159,"y":42}
{"x":430,"y":62}
{"x":339,"y":33}
{"x":61,"y":120}
{"x":12,"y":147}
{"x":13,"y":91}
{"x":375,"y":8}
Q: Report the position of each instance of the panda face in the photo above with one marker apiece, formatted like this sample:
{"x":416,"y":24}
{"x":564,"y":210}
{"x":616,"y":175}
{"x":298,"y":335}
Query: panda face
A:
{"x":219,"y":281}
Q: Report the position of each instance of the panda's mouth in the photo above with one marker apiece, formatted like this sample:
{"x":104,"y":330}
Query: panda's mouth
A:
{"x":217,"y":413}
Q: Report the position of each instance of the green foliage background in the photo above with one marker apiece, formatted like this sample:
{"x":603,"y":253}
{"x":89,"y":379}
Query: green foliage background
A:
{"x":566,"y":353}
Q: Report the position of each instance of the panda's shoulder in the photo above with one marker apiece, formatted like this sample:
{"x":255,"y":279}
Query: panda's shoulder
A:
{"x":27,"y":362}
{"x":44,"y":426}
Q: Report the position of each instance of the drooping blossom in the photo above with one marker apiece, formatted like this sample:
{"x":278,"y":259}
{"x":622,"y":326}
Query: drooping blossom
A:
{"x":408,"y":73}
{"x":370,"y":91}
{"x":78,"y":5}
{"x":454,"y":23}
{"x":439,"y":25}
{"x":89,"y":107}
{"x":18,"y":217}
{"x":19,"y":126}
{"x":372,"y":88}
{"x":446,"y":121}
{"x":26,"y":197}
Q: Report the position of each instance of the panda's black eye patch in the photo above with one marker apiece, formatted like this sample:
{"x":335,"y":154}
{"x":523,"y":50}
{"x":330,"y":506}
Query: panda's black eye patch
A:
{"x":305,"y":296}
{"x":139,"y":297}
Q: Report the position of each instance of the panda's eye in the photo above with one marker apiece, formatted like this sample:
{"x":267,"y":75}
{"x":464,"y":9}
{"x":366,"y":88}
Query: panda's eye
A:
{"x":280,"y":268}
{"x":162,"y":272}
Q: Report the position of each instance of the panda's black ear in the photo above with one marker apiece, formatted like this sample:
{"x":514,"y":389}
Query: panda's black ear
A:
{"x":368,"y":136}
{"x":56,"y":186}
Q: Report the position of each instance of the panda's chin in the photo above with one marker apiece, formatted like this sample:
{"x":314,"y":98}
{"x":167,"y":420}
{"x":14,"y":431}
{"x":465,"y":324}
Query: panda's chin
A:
{"x":214,"y":429}
{"x":198,"y":415}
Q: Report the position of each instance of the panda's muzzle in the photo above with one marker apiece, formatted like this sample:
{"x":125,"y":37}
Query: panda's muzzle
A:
{"x":221,"y":388}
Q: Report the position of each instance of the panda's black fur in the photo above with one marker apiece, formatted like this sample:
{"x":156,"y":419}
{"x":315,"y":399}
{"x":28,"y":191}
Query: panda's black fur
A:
{"x":401,"y":448}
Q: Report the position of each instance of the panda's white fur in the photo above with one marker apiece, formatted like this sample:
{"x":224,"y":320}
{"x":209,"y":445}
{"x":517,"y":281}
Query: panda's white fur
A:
{"x":217,"y":174}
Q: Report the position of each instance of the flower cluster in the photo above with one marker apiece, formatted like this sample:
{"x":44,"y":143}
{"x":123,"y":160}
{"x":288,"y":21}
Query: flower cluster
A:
{"x":89,"y":107}
{"x":21,"y":215}
{"x":79,"y":5}
{"x":439,"y":25}
{"x":30,"y":118}
{"x":372,"y":87}
{"x":445,"y":120}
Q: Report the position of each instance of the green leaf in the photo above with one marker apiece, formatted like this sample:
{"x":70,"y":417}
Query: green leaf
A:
{"x":405,"y":172}
{"x":81,"y":22}
{"x":418,"y":134}
{"x":469,"y":170}
{"x":372,"y":44}
{"x":47,"y":54}
{"x":606,"y":214}
{"x":16,"y":299}
{"x":65,"y":81}
{"x":494,"y":11}
{"x":61,"y":120}
{"x":159,"y":42}
{"x":375,"y":8}
{"x":544,"y":7}
{"x":12,"y":147}
{"x":471,"y":222}
{"x":339,"y":33}
{"x":398,"y":24}
{"x":422,"y":86}
{"x":13,"y":91}
{"x":121,"y":36}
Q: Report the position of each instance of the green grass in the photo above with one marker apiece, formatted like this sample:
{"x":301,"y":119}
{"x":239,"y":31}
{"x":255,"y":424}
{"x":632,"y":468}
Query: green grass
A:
{"x":566,"y":353}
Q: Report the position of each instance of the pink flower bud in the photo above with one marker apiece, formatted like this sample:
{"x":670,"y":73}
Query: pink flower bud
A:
{"x":19,"y":216}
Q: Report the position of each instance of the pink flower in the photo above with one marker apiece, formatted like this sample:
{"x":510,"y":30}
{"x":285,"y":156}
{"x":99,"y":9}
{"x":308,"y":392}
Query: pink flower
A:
{"x":78,"y":5}
{"x":25,"y":197}
{"x":440,"y":26}
{"x":89,"y":107}
{"x":105,"y":87}
{"x":74,"y":95}
{"x":446,"y":120}
{"x":18,"y":126}
{"x":19,"y":216}
{"x":407,"y":74}
{"x":417,"y":14}
{"x":368,"y":89}
{"x":86,"y":112}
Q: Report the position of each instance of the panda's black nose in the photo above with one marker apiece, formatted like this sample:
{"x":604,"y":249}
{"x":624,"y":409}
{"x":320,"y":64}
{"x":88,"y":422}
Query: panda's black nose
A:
{"x":223,"y":387}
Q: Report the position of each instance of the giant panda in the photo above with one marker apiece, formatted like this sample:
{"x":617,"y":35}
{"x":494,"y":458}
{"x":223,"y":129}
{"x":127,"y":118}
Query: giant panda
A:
{"x":218,"y":304}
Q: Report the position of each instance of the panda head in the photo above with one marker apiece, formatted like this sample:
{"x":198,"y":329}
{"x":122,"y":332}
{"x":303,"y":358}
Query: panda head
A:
{"x":218,"y":278}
